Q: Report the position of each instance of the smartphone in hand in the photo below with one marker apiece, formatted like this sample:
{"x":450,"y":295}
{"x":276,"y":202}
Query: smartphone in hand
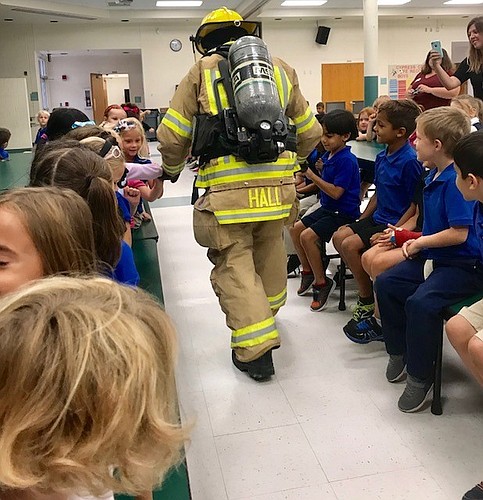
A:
{"x":436,"y":46}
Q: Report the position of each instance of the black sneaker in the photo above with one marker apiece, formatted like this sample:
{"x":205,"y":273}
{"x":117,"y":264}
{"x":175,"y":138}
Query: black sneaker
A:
{"x":306,"y":281}
{"x":320,"y":295}
{"x":259,"y":369}
{"x":476,"y":493}
{"x":364,"y":331}
{"x":293,"y":264}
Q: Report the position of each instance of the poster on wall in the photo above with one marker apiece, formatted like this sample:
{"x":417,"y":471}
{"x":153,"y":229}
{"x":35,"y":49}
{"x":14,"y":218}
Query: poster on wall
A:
{"x":400,"y":77}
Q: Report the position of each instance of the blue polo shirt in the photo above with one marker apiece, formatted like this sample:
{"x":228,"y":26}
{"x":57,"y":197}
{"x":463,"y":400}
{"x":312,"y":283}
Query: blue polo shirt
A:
{"x":445,"y":207}
{"x":396,"y":176}
{"x":478,"y":218}
{"x":342,"y":170}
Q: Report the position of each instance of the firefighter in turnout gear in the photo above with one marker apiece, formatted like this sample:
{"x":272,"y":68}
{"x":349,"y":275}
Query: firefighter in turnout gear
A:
{"x":248,"y":174}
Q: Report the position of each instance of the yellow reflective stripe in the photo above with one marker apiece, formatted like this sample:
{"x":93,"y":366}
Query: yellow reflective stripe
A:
{"x":240,"y":215}
{"x":284,"y":86}
{"x":278,"y":300}
{"x":227,"y":169}
{"x":299,"y":119}
{"x":177,"y":123}
{"x":173,"y":169}
{"x":210,"y":76}
{"x":310,"y":123}
{"x":209,"y":91}
{"x":304,"y":122}
{"x":255,"y":334}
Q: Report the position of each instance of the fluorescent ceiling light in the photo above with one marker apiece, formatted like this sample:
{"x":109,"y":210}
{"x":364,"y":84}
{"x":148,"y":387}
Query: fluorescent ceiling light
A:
{"x":463,"y":2}
{"x":392,"y":2}
{"x":303,"y":3}
{"x":179,"y":3}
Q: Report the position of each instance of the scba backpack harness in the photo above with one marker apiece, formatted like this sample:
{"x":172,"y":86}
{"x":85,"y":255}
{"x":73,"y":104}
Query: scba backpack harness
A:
{"x":254,"y":126}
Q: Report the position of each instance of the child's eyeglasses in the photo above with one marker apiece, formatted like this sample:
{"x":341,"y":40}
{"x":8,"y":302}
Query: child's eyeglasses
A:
{"x":122,"y":182}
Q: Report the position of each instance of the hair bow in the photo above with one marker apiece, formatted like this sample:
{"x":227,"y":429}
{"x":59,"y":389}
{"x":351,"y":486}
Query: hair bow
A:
{"x":124,"y":125}
{"x":82,"y":124}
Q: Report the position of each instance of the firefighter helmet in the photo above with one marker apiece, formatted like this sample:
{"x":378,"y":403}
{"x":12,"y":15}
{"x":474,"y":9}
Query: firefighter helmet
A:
{"x":221,"y":26}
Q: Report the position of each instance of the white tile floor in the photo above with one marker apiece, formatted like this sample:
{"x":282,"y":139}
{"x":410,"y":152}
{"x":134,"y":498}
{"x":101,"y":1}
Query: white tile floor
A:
{"x":327,"y":426}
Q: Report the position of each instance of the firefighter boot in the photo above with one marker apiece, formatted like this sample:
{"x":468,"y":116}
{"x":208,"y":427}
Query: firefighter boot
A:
{"x":259,"y":369}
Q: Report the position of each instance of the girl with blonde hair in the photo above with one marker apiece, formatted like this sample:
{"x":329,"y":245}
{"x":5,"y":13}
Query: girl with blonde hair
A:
{"x":472,"y":107}
{"x":43,"y":232}
{"x":96,"y":410}
{"x":132,"y":142}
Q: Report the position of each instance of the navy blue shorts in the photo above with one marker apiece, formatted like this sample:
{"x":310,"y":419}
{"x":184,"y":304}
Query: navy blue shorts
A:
{"x":325,"y":223}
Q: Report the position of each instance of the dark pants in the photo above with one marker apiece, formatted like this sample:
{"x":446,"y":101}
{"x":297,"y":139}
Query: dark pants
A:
{"x":411,"y":308}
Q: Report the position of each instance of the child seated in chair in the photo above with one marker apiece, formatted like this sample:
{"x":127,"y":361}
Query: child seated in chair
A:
{"x":443,"y":265}
{"x":339,"y":184}
{"x":397,"y":173}
{"x":465,"y":330}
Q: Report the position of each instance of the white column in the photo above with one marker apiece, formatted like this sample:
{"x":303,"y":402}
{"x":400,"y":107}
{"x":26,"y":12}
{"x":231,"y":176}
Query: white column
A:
{"x":371,"y":45}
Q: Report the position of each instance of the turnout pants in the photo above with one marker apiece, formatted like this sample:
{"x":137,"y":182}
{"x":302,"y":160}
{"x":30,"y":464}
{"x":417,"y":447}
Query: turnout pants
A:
{"x":249,"y":278}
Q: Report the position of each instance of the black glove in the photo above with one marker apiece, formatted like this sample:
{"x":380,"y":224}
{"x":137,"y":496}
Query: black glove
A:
{"x":304,"y":166}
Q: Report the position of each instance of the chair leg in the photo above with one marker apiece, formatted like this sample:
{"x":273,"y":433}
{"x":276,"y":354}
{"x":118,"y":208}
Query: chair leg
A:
{"x":342,"y":277}
{"x":436,"y":406}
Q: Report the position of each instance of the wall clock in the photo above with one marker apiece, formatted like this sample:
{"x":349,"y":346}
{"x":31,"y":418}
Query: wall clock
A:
{"x":175,"y":45}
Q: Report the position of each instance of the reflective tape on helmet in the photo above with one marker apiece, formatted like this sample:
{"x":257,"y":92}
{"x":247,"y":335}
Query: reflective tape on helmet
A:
{"x":178,"y":123}
{"x":255,"y":334}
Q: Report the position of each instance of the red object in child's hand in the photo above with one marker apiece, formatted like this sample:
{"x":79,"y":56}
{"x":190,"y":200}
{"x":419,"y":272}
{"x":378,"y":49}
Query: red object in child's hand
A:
{"x":403,"y":235}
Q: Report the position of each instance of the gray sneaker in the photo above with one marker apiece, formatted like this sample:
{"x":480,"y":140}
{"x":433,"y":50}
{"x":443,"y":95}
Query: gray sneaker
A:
{"x":306,"y":281}
{"x":396,"y":368}
{"x":415,"y":394}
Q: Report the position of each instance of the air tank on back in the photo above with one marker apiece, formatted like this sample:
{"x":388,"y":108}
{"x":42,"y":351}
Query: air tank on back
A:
{"x":256,"y":96}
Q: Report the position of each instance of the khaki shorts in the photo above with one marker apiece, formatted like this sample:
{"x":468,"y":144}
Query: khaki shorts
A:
{"x":474,"y":315}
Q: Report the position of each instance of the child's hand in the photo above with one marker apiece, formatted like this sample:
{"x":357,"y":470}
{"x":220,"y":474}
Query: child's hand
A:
{"x":319,"y":165}
{"x":386,"y":238}
{"x":410,"y":248}
{"x":309,"y":174}
{"x":374,"y":239}
{"x":132,"y":195}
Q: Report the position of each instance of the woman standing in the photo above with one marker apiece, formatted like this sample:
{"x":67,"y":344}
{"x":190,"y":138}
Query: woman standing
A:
{"x":471,"y":68}
{"x":426,"y":89}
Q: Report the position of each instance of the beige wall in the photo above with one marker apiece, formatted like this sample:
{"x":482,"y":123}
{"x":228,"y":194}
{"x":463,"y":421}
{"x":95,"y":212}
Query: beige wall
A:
{"x":400,"y":42}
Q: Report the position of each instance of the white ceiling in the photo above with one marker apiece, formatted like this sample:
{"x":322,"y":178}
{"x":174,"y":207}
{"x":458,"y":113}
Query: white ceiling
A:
{"x":144,"y":11}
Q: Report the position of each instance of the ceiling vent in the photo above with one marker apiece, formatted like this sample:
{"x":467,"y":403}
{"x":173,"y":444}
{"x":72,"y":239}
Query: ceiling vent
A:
{"x":120,"y":3}
{"x":51,"y":13}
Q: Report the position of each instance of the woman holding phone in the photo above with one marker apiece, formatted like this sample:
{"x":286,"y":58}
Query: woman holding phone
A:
{"x":471,"y":68}
{"x":426,"y":89}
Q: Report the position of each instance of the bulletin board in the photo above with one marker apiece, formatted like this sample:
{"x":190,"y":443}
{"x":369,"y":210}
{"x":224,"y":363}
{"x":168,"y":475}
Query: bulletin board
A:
{"x":400,"y":77}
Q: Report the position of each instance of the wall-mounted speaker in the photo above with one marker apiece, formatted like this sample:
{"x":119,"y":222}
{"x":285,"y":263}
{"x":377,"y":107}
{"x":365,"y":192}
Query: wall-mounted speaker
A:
{"x":322,"y":35}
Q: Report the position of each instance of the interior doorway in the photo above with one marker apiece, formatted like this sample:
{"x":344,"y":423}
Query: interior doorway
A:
{"x":105,"y":89}
{"x":342,"y":85}
{"x":68,"y":82}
